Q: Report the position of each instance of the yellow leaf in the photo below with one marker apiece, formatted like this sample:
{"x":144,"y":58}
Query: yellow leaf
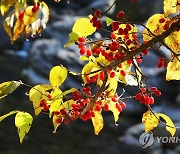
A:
{"x":7,"y":115}
{"x":55,"y":103}
{"x":29,"y":16}
{"x":173,"y":41}
{"x":36,"y":94}
{"x":20,"y":5}
{"x":73,"y":37}
{"x":154,"y":26}
{"x":112,"y":107}
{"x":83,"y":27}
{"x":150,"y":121}
{"x":55,"y":124}
{"x":8,"y":24}
{"x":23,"y":122}
{"x":18,"y":30}
{"x":97,"y":121}
{"x":8,"y":87}
{"x":173,"y":70}
{"x":57,"y":75}
{"x":6,"y":4}
{"x":59,"y":96}
{"x":169,"y":124}
{"x":170,"y":7}
{"x":113,"y":83}
{"x":88,"y":68}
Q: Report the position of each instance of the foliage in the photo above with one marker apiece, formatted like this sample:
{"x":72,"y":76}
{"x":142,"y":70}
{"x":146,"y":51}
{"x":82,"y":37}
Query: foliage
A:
{"x":110,"y":61}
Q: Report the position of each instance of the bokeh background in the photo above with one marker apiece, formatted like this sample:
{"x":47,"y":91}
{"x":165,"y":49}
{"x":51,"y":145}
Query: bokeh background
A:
{"x":30,"y":61}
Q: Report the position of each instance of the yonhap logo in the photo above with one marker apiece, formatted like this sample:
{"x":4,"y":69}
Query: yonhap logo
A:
{"x":146,"y":139}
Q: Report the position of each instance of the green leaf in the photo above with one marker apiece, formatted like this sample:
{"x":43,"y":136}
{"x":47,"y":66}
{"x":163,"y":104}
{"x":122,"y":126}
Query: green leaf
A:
{"x":109,"y":21}
{"x":57,"y":75}
{"x":8,"y":87}
{"x":73,"y":37}
{"x":23,"y":122}
{"x":169,"y":124}
{"x":83,"y":27}
{"x":7,"y":115}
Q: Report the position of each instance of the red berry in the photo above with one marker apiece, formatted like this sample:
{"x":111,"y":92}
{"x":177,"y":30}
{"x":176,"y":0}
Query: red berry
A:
{"x":89,"y":53}
{"x":128,"y":26}
{"x":49,"y":96}
{"x":123,"y":73}
{"x":118,"y":106}
{"x":120,"y":65}
{"x":134,"y":1}
{"x":42,"y":103}
{"x":145,"y":51}
{"x":56,"y":113}
{"x":159,"y":65}
{"x":114,"y":99}
{"x":46,"y":107}
{"x":113,"y":35}
{"x":101,"y":76}
{"x":123,"y":105}
{"x":81,"y":39}
{"x":88,"y":79}
{"x":157,"y":93}
{"x":120,"y":14}
{"x":128,"y":42}
{"x":162,"y":20}
{"x":138,"y":96}
{"x":106,"y":107}
{"x":165,"y":64}
{"x":97,"y":12}
{"x":98,"y":107}
{"x":166,"y":26}
{"x":151,"y":100}
{"x":99,"y":25}
{"x":59,"y":120}
{"x":63,"y":112}
{"x":129,"y":61}
{"x":153,"y":89}
{"x":82,"y":51}
{"x":112,"y":74}
{"x":86,"y":101}
{"x":94,"y":18}
{"x":66,"y":121}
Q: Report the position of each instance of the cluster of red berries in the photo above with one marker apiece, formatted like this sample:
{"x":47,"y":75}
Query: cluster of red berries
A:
{"x":35,"y":7}
{"x":43,"y":103}
{"x":96,"y":22}
{"x":145,"y":96}
{"x":162,"y":63}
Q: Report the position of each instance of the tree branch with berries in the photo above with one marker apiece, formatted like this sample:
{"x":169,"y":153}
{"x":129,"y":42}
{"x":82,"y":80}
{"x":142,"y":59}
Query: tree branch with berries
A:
{"x":109,"y":62}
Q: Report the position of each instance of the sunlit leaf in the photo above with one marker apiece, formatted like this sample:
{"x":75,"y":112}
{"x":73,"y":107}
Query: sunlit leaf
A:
{"x":170,"y":7}
{"x":97,"y":121}
{"x":36,"y":94}
{"x":169,"y":124}
{"x":173,"y":41}
{"x":173,"y":70}
{"x":150,"y":120}
{"x":83,"y":27}
{"x":23,"y":121}
{"x":58,"y":75}
{"x":55,"y":102}
{"x":131,"y":80}
{"x":7,"y":115}
{"x":109,"y":21}
{"x":112,"y":107}
{"x":55,"y":124}
{"x":154,"y":26}
{"x":58,"y":96}
{"x":73,"y":37}
{"x":6,"y":4}
{"x":8,"y":87}
{"x":8,"y":24}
